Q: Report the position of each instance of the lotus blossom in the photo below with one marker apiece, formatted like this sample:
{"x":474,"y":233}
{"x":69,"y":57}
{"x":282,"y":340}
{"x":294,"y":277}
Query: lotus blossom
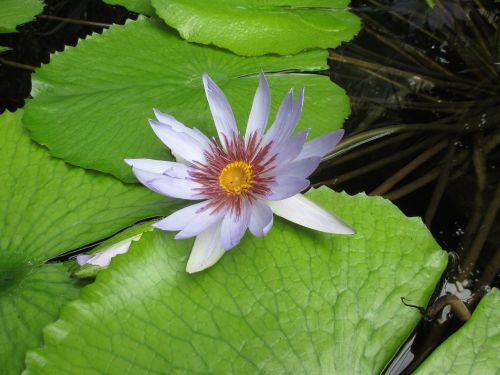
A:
{"x":241,"y":181}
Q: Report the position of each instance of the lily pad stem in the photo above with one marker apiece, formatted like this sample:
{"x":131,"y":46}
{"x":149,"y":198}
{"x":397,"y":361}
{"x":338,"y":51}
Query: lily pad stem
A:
{"x":472,"y":256}
{"x":360,"y":139}
{"x":408,"y":168}
{"x":372,"y":166}
{"x":75,"y":21}
{"x":17,"y":65}
{"x":438,"y":192}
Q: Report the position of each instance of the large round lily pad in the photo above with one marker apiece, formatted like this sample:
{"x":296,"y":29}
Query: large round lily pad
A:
{"x":139,"y":6}
{"x":47,"y":208}
{"x":296,"y":301}
{"x":17,"y":12}
{"x":91,"y":103}
{"x":259,"y":27}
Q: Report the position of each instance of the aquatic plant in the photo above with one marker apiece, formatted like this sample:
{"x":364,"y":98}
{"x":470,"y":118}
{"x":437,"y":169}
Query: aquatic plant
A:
{"x":293,"y":301}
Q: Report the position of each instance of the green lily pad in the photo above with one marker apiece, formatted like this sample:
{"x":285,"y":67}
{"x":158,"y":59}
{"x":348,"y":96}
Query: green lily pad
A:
{"x":47,"y":208}
{"x":474,"y":348}
{"x":17,"y":12}
{"x":296,"y":301}
{"x":138,"y":6}
{"x":92,"y":102}
{"x":128,"y":235}
{"x":258,"y":27}
{"x":29,"y":300}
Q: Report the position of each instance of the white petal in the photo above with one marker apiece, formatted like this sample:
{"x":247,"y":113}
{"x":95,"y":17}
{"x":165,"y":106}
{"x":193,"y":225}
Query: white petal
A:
{"x":259,"y":115}
{"x":82,"y":259}
{"x":182,"y":188}
{"x":180,"y":143}
{"x":320,"y":146}
{"x":261,"y":220}
{"x":181,"y":218}
{"x":168,"y":168}
{"x":200,"y":222}
{"x":234,"y":227}
{"x":181,"y":128}
{"x":103,"y":258}
{"x":207,"y":250}
{"x":221,"y":110}
{"x":300,"y":210}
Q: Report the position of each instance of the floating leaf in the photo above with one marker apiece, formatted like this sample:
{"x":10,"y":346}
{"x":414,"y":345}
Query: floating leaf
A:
{"x":296,"y":301}
{"x":47,"y":208}
{"x":29,"y":300}
{"x":138,"y":6}
{"x":124,"y":237}
{"x":256,"y":27}
{"x":92,"y":102}
{"x":17,"y":12}
{"x":474,"y":348}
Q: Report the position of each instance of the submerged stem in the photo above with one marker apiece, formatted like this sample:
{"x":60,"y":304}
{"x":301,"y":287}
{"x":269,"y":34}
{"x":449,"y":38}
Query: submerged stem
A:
{"x":440,"y":186}
{"x":372,"y":166}
{"x":75,"y":21}
{"x":14,"y":64}
{"x":359,"y":139}
{"x":423,"y":180}
{"x":408,"y":168}
{"x":367,"y":150}
{"x":472,"y":256}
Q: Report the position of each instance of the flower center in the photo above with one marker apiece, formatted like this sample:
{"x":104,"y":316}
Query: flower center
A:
{"x":236,"y":177}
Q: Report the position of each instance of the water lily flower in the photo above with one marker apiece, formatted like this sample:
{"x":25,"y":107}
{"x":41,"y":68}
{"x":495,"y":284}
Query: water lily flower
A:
{"x":240,"y":181}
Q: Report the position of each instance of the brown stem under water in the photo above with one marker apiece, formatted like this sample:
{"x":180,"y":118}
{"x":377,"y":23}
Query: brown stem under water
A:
{"x":361,"y":138}
{"x":438,"y":192}
{"x":470,"y":260}
{"x":414,"y":185}
{"x":491,"y":270}
{"x":365,"y":151}
{"x":371,"y":166}
{"x":75,"y":21}
{"x":17,"y":65}
{"x":425,"y":179}
{"x":385,"y":186}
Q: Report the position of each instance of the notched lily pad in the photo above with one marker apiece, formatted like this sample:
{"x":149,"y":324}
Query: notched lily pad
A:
{"x":257,"y":27}
{"x":474,"y":348}
{"x":47,"y":208}
{"x":91,"y":103}
{"x":17,"y":12}
{"x":296,"y":301}
{"x":138,"y":6}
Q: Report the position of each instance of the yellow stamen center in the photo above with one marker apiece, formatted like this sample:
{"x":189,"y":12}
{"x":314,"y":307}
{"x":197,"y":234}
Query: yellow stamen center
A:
{"x":236,"y":177}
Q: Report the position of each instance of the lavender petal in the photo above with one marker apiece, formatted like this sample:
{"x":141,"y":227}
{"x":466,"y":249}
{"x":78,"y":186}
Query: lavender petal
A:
{"x":221,"y":110}
{"x":261,"y":219}
{"x":259,"y":114}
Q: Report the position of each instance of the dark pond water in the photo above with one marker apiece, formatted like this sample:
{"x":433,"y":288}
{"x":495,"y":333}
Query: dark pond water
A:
{"x":424,"y":130}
